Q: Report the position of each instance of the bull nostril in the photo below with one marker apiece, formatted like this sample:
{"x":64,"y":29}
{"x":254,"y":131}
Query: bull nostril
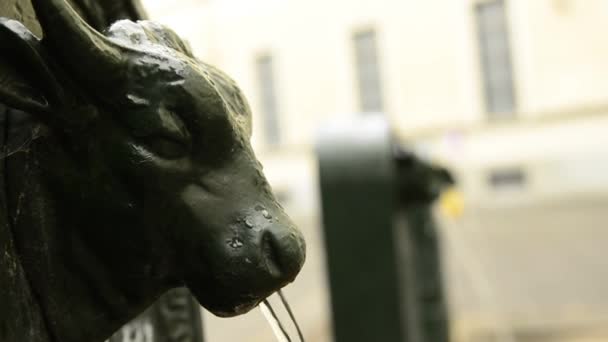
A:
{"x":271,"y":257}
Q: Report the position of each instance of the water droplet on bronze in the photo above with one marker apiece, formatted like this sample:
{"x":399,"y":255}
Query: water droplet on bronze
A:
{"x":235,"y":242}
{"x":266,"y":214}
{"x":248,"y":223}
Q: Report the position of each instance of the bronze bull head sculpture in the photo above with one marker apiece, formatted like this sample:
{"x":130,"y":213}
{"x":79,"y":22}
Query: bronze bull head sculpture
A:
{"x":142,"y":177}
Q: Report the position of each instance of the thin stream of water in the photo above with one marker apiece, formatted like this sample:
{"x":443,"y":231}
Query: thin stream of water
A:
{"x":291,"y":315}
{"x":277,"y":327}
{"x":273,"y":320}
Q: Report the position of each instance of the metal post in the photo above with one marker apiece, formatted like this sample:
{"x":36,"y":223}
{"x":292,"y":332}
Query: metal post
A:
{"x":420,"y":184}
{"x":357,"y":178}
{"x":381,"y":240}
{"x":174,"y":317}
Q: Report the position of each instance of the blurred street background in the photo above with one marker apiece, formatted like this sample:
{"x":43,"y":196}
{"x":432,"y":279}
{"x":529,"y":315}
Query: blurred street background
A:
{"x":510,"y":95}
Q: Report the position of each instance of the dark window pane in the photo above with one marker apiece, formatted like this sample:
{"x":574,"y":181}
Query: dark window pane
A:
{"x":368,"y":73}
{"x":512,"y":177}
{"x":268,"y":100}
{"x":495,"y":58}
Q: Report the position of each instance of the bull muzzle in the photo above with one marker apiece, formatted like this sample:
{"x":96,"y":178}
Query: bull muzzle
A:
{"x":254,"y":250}
{"x":281,"y":244}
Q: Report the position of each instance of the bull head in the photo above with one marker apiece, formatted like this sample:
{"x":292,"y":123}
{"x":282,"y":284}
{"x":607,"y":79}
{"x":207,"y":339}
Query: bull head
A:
{"x":153,"y":145}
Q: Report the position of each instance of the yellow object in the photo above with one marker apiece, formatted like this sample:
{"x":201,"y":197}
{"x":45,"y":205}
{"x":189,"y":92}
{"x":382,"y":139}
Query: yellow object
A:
{"x":451,"y":203}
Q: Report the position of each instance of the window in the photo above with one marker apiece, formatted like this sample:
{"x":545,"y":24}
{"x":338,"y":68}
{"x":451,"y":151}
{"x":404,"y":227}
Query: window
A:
{"x":268,"y":99}
{"x":368,"y":71}
{"x":507,"y":178}
{"x":495,"y":57}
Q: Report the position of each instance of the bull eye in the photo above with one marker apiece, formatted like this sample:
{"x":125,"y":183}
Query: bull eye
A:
{"x":166,"y":147}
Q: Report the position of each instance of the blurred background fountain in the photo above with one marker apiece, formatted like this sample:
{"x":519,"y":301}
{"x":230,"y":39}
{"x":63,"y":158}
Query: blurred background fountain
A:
{"x":511,"y":95}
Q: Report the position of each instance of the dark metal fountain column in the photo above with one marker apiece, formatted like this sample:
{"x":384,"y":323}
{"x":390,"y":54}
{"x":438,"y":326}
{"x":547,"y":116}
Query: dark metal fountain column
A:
{"x":357,"y":177}
{"x":380,"y":236}
{"x":174,"y":317}
{"x":416,"y":234}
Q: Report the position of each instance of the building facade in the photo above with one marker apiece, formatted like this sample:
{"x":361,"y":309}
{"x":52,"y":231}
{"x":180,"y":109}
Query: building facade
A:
{"x":460,"y":80}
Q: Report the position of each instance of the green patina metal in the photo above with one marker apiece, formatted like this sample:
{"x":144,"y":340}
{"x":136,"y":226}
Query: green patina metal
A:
{"x":127,"y":171}
{"x":420,"y":183}
{"x":358,"y":196}
{"x":174,"y":317}
{"x":381,"y":242}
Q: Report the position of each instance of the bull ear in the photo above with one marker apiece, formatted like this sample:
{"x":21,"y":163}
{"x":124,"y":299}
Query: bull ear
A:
{"x":26,"y":82}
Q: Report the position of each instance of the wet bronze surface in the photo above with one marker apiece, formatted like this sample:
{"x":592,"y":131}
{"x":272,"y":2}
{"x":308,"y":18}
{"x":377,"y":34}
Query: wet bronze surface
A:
{"x":127,"y":171}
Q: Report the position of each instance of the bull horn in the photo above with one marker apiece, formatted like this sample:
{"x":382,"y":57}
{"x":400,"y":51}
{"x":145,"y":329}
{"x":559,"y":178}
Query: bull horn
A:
{"x":86,"y":52}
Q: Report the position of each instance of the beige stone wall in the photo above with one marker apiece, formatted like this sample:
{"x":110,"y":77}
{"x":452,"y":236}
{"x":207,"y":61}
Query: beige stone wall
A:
{"x":431,"y":77}
{"x":428,"y":56}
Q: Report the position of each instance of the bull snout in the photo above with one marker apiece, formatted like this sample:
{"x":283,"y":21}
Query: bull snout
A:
{"x":247,"y":249}
{"x":264,"y":251}
{"x":246,"y":246}
{"x":281,"y":245}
